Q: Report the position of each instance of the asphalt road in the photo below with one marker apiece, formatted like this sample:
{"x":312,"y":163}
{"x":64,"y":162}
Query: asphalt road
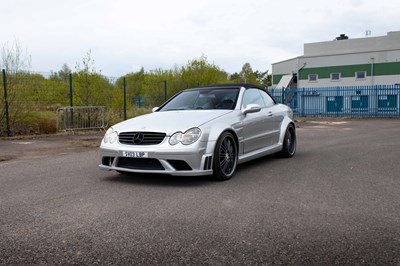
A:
{"x":337,"y":202}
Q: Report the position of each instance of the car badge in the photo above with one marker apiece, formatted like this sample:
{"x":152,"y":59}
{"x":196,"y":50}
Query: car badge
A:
{"x":138,"y":138}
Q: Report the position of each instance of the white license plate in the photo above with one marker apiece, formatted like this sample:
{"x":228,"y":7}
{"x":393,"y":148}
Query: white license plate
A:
{"x":135,"y":154}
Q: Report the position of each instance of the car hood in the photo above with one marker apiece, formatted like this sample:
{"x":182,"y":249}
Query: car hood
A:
{"x":169,"y":121}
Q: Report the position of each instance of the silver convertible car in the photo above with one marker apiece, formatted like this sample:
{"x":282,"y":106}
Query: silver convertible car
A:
{"x":201,"y":131}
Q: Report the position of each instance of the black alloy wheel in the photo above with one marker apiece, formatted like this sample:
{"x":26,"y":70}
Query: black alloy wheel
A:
{"x":289,"y":142}
{"x":225,"y":157}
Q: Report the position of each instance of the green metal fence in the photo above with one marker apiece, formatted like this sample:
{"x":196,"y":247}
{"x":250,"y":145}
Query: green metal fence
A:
{"x":29,"y":100}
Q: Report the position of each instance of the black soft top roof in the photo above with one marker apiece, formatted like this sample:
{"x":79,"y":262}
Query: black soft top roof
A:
{"x":228,"y":85}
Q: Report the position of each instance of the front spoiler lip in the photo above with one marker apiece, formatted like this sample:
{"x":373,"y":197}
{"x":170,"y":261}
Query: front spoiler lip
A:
{"x":169,"y":172}
{"x":194,"y":156}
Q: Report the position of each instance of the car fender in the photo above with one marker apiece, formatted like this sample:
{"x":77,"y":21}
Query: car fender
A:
{"x":284,"y":125}
{"x":214,"y":131}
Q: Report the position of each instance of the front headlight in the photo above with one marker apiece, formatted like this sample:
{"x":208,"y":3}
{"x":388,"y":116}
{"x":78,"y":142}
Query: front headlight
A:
{"x":187,"y":138}
{"x":191,"y":136}
{"x":110,"y":136}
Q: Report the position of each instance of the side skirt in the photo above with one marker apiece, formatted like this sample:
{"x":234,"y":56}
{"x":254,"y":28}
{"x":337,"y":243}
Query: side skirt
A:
{"x":259,"y":153}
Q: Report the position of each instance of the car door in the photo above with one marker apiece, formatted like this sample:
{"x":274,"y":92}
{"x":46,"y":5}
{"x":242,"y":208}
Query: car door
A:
{"x":257,"y":127}
{"x":275,"y":116}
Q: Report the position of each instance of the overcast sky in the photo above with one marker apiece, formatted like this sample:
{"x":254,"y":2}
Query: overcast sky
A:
{"x":125,"y":35}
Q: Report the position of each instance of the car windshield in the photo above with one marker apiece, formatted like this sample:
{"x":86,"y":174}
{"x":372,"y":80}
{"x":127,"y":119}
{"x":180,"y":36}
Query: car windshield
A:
{"x":203,"y":99}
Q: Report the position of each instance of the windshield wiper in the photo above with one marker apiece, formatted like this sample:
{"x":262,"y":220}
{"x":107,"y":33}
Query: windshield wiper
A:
{"x":174,"y":109}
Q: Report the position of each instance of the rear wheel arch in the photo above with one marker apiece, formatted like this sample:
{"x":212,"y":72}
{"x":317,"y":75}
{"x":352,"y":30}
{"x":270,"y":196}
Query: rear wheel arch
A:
{"x":289,"y":143}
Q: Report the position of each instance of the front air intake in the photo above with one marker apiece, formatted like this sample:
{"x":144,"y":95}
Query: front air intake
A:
{"x":139,"y":163}
{"x":208,"y":163}
{"x":180,"y":165}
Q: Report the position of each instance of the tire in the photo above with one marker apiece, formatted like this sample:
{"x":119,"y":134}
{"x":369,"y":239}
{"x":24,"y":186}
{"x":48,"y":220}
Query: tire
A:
{"x":289,"y":143}
{"x":225,"y":157}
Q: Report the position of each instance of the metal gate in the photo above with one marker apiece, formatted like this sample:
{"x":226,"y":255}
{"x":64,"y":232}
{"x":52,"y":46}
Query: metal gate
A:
{"x":81,"y":117}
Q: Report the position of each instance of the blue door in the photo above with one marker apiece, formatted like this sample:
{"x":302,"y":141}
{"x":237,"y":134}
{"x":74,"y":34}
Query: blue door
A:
{"x":359,"y":103}
{"x":334,"y":104}
{"x":387,"y":102}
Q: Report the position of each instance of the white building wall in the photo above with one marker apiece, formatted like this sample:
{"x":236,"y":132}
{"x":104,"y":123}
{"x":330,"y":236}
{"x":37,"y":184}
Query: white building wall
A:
{"x":349,"y":46}
{"x":377,"y":80}
{"x":285,"y":67}
{"x":350,"y":59}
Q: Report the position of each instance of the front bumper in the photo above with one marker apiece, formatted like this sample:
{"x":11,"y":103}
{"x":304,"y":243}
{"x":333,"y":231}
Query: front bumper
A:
{"x":191,"y":160}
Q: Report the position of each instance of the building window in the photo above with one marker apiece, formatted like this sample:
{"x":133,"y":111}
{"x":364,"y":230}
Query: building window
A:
{"x":335,"y":76}
{"x":361,"y":74}
{"x":313,"y":77}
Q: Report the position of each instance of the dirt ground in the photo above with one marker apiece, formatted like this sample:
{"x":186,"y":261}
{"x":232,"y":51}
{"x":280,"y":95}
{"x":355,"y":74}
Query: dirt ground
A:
{"x":27,"y":147}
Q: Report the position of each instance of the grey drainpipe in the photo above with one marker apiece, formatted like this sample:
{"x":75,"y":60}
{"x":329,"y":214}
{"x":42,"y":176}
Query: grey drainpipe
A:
{"x":372,"y":71}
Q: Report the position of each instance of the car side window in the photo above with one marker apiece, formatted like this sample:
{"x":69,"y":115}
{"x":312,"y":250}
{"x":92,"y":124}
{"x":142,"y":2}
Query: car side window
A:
{"x":252,"y":96}
{"x":267,"y":99}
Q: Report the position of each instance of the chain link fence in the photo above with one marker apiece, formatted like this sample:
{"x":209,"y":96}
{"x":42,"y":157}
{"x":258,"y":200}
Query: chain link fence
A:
{"x":29,"y":100}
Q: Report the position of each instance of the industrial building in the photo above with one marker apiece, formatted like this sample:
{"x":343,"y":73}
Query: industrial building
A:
{"x":342,"y":62}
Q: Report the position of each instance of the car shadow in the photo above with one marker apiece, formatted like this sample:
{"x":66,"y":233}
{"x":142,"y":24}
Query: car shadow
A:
{"x":243,"y":167}
{"x":160,"y":180}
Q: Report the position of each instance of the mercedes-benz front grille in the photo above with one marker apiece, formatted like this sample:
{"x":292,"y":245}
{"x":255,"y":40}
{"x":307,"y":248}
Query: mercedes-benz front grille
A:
{"x":141,"y":138}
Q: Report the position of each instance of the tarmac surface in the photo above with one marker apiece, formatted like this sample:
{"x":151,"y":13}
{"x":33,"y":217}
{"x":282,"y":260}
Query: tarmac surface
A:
{"x":41,"y":146}
{"x":337,"y":202}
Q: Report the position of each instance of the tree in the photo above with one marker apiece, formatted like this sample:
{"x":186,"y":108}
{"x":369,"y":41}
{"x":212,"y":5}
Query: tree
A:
{"x":263,"y":78}
{"x":201,"y":72}
{"x":90,"y":88}
{"x":63,"y":74}
{"x":14,"y":59}
{"x":83,"y":82}
{"x":134,"y":88}
{"x":134,"y":85}
{"x":235,"y":78}
{"x":247,"y":75}
{"x":16,"y":63}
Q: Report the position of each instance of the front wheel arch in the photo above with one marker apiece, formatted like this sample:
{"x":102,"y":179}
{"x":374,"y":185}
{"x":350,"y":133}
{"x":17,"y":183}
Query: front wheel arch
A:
{"x":225,"y":156}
